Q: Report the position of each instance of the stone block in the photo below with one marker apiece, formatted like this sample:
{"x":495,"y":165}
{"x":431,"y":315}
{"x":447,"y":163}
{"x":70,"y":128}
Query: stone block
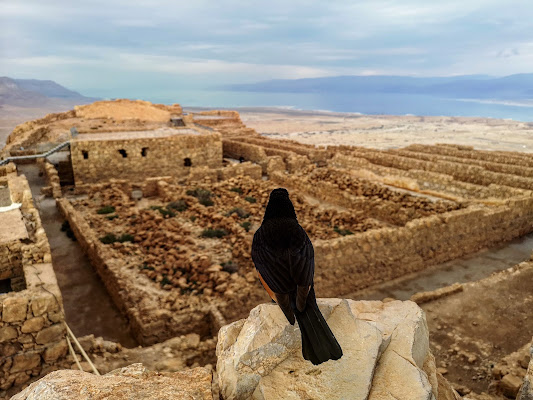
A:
{"x":7,"y":333}
{"x":14,"y":309}
{"x":33,"y":325}
{"x":55,"y":351}
{"x":50,"y":334}
{"x":44,"y":302}
{"x":25,"y":361}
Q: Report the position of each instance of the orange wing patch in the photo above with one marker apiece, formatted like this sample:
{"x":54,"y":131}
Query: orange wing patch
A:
{"x":269,"y":291}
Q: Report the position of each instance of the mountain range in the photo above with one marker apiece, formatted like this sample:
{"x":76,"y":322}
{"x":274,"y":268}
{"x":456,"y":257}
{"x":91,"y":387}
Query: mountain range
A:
{"x":30,"y":93}
{"x":513,"y":87}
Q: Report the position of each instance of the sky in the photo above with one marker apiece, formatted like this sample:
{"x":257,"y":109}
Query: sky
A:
{"x":150,"y":49}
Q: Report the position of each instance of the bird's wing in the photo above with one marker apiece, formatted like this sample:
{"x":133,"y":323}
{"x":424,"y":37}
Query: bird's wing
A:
{"x":283,"y":270}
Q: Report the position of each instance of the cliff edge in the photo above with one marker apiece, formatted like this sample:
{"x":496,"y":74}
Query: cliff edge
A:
{"x":386,"y":357}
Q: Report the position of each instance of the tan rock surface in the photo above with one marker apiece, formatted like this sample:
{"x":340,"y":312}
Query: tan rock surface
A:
{"x":526,"y":391}
{"x":132,"y":382}
{"x":385,"y":345}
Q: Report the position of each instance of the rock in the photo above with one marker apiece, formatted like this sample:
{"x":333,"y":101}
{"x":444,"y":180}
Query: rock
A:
{"x":14,"y":309}
{"x":510,"y":384}
{"x":33,"y":325}
{"x":133,"y":383}
{"x":55,"y":351}
{"x":526,"y":391}
{"x":7,"y":333}
{"x":25,"y":361}
{"x":51,"y":334}
{"x":385,"y":346}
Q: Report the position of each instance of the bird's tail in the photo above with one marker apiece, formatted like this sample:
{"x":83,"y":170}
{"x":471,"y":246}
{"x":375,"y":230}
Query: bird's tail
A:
{"x":318,"y":343}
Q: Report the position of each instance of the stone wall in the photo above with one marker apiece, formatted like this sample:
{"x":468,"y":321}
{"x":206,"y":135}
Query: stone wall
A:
{"x":137,"y":159}
{"x":382,"y":254}
{"x":52,"y":179}
{"x":462,"y":172}
{"x":32,"y":333}
{"x":426,"y":181}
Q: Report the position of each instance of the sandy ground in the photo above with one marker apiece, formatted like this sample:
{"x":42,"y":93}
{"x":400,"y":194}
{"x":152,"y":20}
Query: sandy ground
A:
{"x":382,"y":131}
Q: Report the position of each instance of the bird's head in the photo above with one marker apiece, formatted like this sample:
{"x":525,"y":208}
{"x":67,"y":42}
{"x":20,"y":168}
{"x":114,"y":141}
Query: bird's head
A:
{"x":279,"y":205}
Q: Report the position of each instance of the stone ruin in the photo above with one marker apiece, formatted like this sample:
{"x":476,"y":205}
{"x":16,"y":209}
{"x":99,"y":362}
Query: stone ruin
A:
{"x":32,"y":331}
{"x":170,"y":238}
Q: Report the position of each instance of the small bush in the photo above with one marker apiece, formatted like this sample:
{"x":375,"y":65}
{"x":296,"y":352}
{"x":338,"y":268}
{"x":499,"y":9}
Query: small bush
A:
{"x":239,"y":211}
{"x":342,"y":232}
{"x":165,"y":281}
{"x":246,"y":225}
{"x":203,"y":196}
{"x":108,"y":239}
{"x":250,"y":199}
{"x":193,"y":218}
{"x":112,"y":217}
{"x":230,"y":267}
{"x":106,"y":210}
{"x":178,"y":205}
{"x":65,"y":227}
{"x":163,"y":211}
{"x":237,"y":190}
{"x":214,"y":233}
{"x":111,"y":238}
{"x":126,"y":237}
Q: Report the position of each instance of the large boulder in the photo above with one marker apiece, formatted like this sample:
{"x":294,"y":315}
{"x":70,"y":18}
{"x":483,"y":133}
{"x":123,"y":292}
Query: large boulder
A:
{"x":385,"y":345}
{"x":133,"y":383}
{"x":526,"y":391}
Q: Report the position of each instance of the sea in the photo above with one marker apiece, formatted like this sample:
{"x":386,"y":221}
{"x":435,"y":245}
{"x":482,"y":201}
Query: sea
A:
{"x":372,"y":104}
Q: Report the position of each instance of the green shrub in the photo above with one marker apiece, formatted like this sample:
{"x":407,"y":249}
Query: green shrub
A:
{"x":108,"y":239}
{"x":203,"y":196}
{"x":239,"y":211}
{"x":342,"y":232}
{"x":165,"y":281}
{"x":246,"y":225}
{"x":237,"y":190}
{"x":178,"y":205}
{"x":111,"y":238}
{"x":250,"y":199}
{"x":212,"y":233}
{"x":163,"y":211}
{"x":106,"y":210}
{"x":112,"y":217}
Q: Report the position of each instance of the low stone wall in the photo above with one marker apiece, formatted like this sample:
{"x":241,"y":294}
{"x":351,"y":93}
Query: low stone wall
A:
{"x":468,"y":152}
{"x":147,"y":328}
{"x":52,"y":179}
{"x":381,"y":254}
{"x":32,"y":332}
{"x":427,"y":180}
{"x":462,"y":172}
{"x":237,"y":149}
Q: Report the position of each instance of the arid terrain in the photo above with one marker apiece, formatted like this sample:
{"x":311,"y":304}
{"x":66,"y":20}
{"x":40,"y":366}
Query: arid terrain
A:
{"x":388,"y":131}
{"x":378,"y":198}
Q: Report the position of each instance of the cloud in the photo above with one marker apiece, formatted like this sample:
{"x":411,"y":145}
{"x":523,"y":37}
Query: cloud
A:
{"x":202,"y":43}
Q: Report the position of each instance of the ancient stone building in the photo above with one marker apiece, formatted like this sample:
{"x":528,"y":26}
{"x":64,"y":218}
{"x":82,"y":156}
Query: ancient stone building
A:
{"x":138,"y":155}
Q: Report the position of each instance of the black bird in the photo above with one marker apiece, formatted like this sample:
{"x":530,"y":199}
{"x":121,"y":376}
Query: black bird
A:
{"x":285,"y":259}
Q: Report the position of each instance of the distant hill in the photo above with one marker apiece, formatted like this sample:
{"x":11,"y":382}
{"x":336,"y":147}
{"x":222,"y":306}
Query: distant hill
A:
{"x":31,"y":93}
{"x":513,"y":87}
